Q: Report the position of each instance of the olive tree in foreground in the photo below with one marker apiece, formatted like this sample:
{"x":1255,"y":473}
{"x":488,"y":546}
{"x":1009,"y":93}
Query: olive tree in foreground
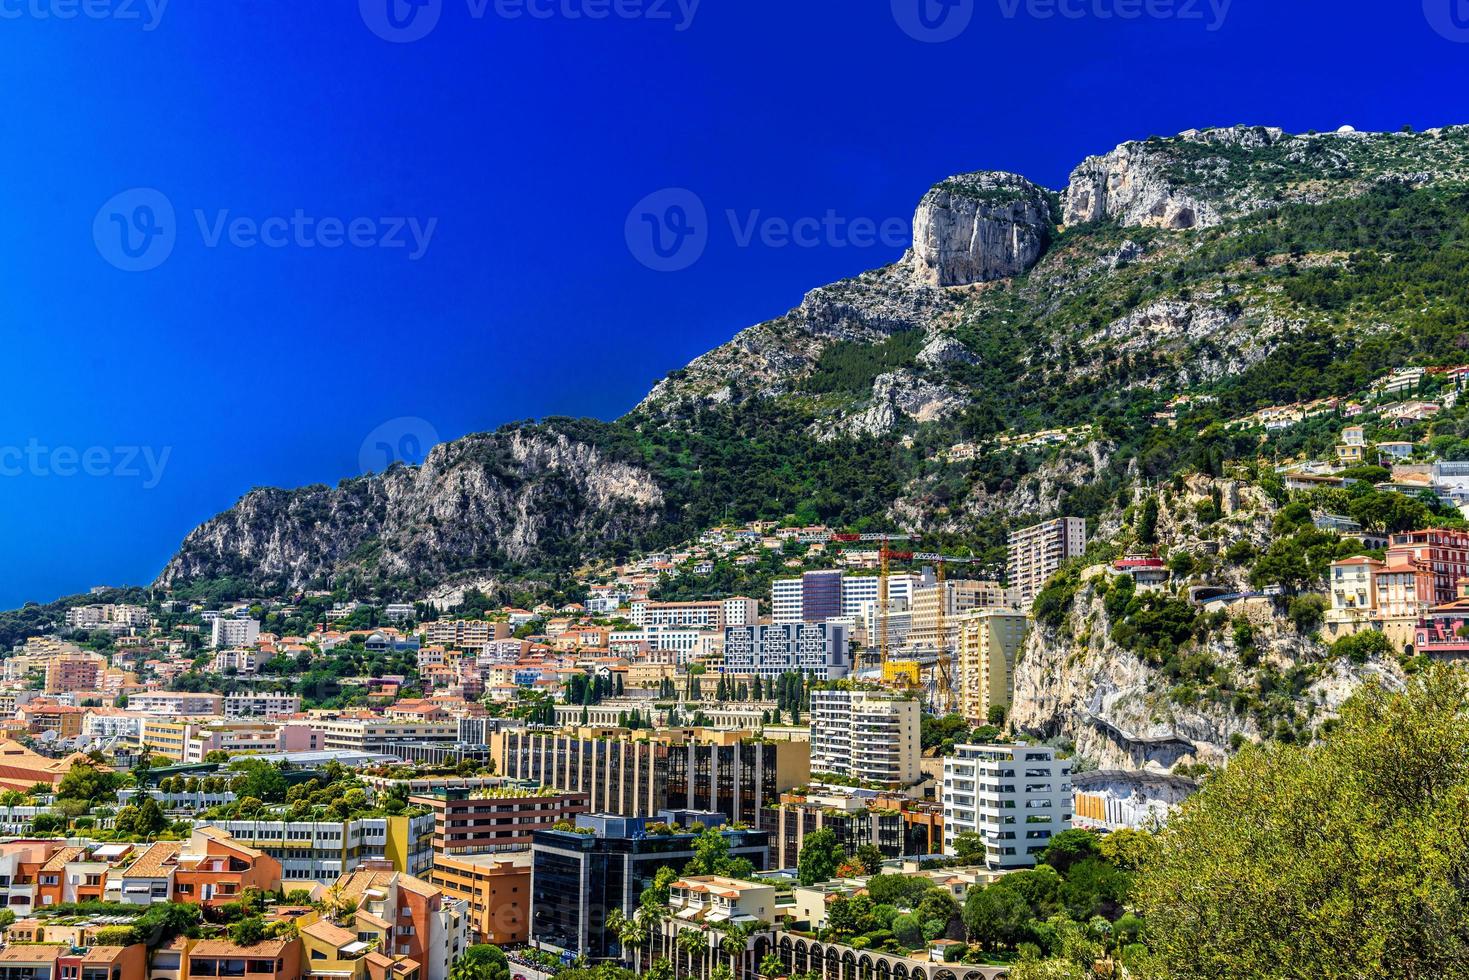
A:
{"x":1347,"y":858}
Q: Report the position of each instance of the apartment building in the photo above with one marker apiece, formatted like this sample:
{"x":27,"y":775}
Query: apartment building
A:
{"x":261,"y":705}
{"x":665,"y":644}
{"x":322,"y":851}
{"x":269,"y":959}
{"x":869,"y":735}
{"x":713,"y":903}
{"x":952,"y":599}
{"x":422,"y":923}
{"x":213,"y":869}
{"x":714,"y":614}
{"x":896,"y":825}
{"x":385,"y":736}
{"x":494,"y":819}
{"x":638,"y":774}
{"x":74,"y":672}
{"x":103,"y":615}
{"x":989,"y":641}
{"x":175,"y":703}
{"x":495,"y":887}
{"x":1444,"y":553}
{"x":463,"y":634}
{"x":1036,"y":553}
{"x":821,"y":650}
{"x":228,"y":632}
{"x":818,"y":596}
{"x":1015,"y":797}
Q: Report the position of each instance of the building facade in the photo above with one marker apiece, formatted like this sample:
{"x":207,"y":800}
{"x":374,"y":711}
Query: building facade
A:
{"x":577,"y":879}
{"x":868,"y":735}
{"x":1036,"y":553}
{"x":1015,"y":797}
{"x":680,"y":769}
{"x":821,"y":650}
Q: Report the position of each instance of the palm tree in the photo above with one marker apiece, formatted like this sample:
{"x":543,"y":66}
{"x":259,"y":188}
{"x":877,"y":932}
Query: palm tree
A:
{"x":631,"y":933}
{"x":691,"y":943}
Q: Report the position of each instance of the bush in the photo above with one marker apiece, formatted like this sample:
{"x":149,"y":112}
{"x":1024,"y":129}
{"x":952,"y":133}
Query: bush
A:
{"x":1361,"y":647}
{"x":1307,"y":611}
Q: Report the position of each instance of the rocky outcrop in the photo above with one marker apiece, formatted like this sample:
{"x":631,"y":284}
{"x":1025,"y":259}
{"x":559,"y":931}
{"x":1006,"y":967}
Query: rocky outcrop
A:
{"x":897,"y":397}
{"x":1124,"y":711}
{"x":768,"y":359}
{"x":979,"y":227}
{"x":514,"y":497}
{"x":1133,"y":186}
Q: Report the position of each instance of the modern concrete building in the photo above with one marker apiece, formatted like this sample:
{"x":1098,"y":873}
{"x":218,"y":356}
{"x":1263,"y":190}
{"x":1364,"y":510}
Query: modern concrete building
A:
{"x":493,"y":819}
{"x":868,"y":735}
{"x":953,"y":598}
{"x":323,"y":850}
{"x":639,"y":774}
{"x":1015,"y":797}
{"x":1036,"y":553}
{"x":821,"y":650}
{"x":228,"y":632}
{"x":578,"y":878}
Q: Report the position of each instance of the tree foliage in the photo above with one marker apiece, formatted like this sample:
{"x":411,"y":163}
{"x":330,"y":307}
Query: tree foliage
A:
{"x":1344,"y":859}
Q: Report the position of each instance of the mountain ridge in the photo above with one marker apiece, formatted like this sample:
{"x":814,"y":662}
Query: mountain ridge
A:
{"x":1017,"y":307}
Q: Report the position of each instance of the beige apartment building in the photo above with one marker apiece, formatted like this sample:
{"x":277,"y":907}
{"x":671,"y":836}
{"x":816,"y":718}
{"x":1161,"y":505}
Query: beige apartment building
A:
{"x":1036,"y":553}
{"x":989,"y":643}
{"x":958,"y":596}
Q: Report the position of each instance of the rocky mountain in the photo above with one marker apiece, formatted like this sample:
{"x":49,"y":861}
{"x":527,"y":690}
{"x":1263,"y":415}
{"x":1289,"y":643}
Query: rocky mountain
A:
{"x":1244,"y":264}
{"x":483,"y":502}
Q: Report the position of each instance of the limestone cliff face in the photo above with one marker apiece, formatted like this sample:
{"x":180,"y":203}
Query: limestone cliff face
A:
{"x":483,"y":501}
{"x":1131,"y":184}
{"x":979,"y":227}
{"x":1124,"y":711}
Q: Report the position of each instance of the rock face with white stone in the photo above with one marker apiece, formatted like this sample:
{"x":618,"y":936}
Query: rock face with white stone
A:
{"x":980,"y":227}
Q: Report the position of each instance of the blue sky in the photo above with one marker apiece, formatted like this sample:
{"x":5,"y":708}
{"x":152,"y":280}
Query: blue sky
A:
{"x":139,"y":403}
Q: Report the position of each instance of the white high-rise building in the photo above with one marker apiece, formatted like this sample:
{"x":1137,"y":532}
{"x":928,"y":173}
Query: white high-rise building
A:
{"x":786,"y":602}
{"x":869,"y":735}
{"x":234,"y":633}
{"x":1016,"y":797}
